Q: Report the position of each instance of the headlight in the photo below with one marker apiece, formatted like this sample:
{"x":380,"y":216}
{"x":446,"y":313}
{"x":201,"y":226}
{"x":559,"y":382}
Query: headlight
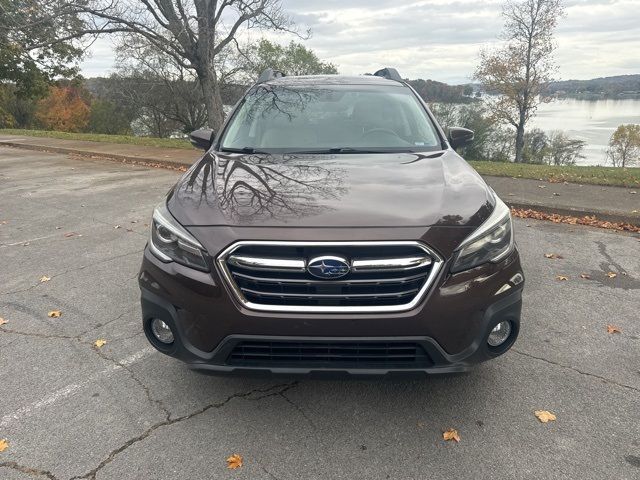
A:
{"x":491,"y":242}
{"x":171,"y":242}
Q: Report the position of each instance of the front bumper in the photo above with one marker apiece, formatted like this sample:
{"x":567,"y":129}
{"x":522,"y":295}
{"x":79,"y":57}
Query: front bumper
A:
{"x":450,"y":325}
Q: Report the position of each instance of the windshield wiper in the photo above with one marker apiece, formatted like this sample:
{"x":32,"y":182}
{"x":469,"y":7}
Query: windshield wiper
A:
{"x":244,"y":150}
{"x":351,"y":150}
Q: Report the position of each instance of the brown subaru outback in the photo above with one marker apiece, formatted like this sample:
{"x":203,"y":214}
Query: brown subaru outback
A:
{"x":331,"y":227}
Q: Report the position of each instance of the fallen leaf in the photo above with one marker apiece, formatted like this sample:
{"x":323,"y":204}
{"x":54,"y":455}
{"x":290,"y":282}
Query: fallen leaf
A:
{"x":612,"y":274}
{"x":612,"y":329}
{"x":117,"y":226}
{"x":3,"y":321}
{"x":586,"y":276}
{"x":633,"y":192}
{"x":561,"y":278}
{"x":545,"y":416}
{"x":99,"y":343}
{"x":542,"y":186}
{"x":552,"y":255}
{"x":635,"y":211}
{"x":70,"y":234}
{"x":3,"y":222}
{"x":234,"y":461}
{"x":44,"y":278}
{"x":556,"y":194}
{"x":3,"y":445}
{"x":451,"y":434}
{"x":54,"y":313}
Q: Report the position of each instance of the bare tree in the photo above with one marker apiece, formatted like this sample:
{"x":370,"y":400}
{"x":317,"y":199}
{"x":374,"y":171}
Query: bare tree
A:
{"x":519,"y":71}
{"x":192,"y":32}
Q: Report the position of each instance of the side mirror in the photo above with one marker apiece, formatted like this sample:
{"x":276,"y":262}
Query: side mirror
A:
{"x":459,"y":137}
{"x":202,"y":138}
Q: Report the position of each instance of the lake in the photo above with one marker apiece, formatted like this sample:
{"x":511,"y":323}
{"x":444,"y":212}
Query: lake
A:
{"x":590,"y":120}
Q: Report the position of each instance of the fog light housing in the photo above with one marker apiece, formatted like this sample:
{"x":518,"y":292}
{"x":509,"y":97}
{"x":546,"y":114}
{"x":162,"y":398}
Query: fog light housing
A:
{"x":500,"y":334}
{"x":161,"y":331}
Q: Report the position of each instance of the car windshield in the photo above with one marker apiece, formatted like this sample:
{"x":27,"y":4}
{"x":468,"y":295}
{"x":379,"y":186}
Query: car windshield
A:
{"x":330,"y":118}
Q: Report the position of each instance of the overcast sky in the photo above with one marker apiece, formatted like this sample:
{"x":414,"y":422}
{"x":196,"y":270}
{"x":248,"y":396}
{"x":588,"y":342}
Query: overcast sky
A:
{"x":440,"y":39}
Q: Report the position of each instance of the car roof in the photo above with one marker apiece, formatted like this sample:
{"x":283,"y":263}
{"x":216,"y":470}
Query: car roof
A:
{"x":333,"y":80}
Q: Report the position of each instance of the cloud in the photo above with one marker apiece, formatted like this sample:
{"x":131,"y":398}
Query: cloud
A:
{"x":440,"y":39}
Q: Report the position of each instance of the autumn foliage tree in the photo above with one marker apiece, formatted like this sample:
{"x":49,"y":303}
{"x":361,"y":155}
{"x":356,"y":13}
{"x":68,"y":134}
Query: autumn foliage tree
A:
{"x":519,"y":71}
{"x":624,"y":146}
{"x":64,"y":109}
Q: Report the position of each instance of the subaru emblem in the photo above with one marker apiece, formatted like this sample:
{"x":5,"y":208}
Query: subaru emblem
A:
{"x":328,"y":267}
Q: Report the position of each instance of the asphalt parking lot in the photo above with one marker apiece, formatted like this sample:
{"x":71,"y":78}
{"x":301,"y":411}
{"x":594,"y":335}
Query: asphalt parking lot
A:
{"x":69,"y":410}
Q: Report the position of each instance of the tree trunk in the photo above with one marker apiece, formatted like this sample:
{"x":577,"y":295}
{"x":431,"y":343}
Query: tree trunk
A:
{"x":212,"y":98}
{"x":519,"y":141}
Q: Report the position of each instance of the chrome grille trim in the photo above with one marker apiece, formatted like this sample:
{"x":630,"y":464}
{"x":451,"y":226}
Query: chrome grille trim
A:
{"x":272,"y":264}
{"x":415,"y":296}
{"x":322,"y":295}
{"x":373,"y":281}
{"x":390,"y":264}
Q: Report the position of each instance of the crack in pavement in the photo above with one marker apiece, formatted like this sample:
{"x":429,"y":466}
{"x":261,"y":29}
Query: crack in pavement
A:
{"x":147,"y":391}
{"x":77,"y":337}
{"x":28,"y":470}
{"x":574,"y":369}
{"x":70,"y":270}
{"x":299,"y":409}
{"x":274,"y":390}
{"x":271,"y":475}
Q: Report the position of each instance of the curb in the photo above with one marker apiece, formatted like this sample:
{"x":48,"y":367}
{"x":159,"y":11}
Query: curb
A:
{"x":574,"y":212}
{"x":182,"y":166}
{"x":144,"y":161}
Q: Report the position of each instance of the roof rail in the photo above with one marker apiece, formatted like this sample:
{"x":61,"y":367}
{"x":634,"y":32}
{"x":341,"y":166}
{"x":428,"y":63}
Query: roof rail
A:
{"x":270,"y":74}
{"x":389,"y":73}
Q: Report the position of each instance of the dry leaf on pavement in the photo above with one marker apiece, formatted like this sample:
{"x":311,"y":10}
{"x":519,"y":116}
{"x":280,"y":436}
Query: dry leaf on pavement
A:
{"x":587,"y":220}
{"x":586,"y":276}
{"x":54,"y":313}
{"x":612,"y":274}
{"x":545,"y":416}
{"x":3,"y":445}
{"x":562,"y":278}
{"x":613,"y":329}
{"x":44,"y":278}
{"x":451,"y":434}
{"x":99,"y":343}
{"x":552,"y":255}
{"x":3,"y":321}
{"x":234,"y":461}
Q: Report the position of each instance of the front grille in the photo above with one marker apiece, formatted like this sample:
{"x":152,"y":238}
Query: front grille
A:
{"x":328,"y":354}
{"x":382,"y":276}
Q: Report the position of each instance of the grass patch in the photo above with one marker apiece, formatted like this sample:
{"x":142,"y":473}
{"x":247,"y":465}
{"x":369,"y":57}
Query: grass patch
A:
{"x":99,"y":137}
{"x":621,"y":177}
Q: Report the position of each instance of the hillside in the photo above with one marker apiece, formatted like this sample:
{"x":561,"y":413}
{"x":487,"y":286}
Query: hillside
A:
{"x":616,"y":86}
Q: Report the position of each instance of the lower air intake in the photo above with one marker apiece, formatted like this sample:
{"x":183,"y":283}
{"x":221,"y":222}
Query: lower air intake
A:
{"x":328,"y":355}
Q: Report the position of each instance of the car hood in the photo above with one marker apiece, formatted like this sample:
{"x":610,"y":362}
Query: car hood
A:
{"x":344,"y":190}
